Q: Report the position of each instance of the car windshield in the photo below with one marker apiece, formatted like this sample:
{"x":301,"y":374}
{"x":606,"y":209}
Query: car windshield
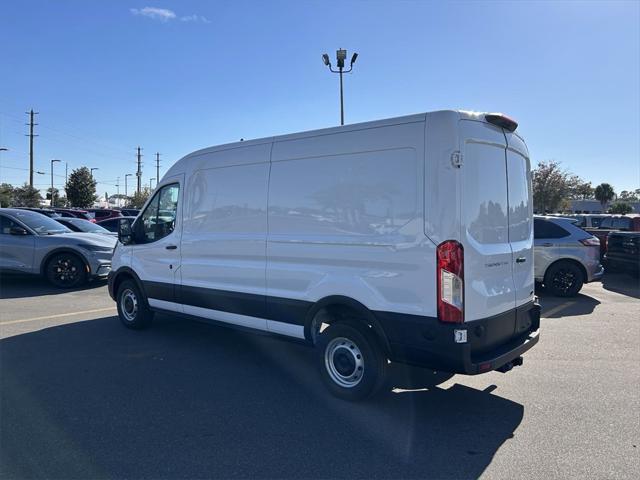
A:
{"x":87,"y":226}
{"x":40,"y":223}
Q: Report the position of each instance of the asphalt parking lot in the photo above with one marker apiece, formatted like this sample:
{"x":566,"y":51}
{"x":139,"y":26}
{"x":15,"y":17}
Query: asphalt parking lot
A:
{"x":83,"y":397}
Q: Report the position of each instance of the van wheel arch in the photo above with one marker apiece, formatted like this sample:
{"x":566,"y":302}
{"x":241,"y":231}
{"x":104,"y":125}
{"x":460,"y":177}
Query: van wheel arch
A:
{"x":128,"y":274}
{"x":338,"y":308}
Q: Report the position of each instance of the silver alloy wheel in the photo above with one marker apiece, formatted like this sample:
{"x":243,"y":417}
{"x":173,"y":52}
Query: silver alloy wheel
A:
{"x":344,"y":362}
{"x":129,"y":305}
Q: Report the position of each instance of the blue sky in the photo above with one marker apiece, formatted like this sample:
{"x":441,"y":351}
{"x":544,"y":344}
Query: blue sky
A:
{"x":109,"y":76}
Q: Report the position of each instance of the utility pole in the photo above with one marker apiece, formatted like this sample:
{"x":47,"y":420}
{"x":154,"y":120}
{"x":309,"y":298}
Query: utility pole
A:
{"x":118,"y":191}
{"x":139,"y":172}
{"x":31,"y":124}
{"x":125,"y":186}
{"x":157,"y":167}
{"x":341,"y":56}
{"x":66,"y":177}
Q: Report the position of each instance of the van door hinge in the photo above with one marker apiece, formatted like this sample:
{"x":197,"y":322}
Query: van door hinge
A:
{"x":456,"y":159}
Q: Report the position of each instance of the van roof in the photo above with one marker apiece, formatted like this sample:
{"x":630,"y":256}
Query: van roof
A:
{"x":418,"y":117}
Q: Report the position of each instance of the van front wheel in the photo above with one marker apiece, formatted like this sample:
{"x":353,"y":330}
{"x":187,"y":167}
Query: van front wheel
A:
{"x":352,"y":364}
{"x":132,"y":308}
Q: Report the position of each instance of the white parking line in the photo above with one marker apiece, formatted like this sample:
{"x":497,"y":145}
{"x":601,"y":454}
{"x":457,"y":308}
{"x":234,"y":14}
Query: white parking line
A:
{"x":557,"y":309}
{"x":25,"y":320}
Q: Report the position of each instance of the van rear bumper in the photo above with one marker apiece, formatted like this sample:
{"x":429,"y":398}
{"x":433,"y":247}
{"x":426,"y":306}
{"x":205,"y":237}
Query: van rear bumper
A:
{"x":491,"y":342}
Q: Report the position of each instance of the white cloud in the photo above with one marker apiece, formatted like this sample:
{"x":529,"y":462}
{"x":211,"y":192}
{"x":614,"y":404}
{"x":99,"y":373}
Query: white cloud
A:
{"x":195,"y":18}
{"x":161,"y":14}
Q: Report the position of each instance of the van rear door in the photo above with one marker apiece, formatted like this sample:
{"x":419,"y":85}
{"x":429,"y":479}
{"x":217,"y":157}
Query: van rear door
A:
{"x":489,"y":287}
{"x":520,"y":217}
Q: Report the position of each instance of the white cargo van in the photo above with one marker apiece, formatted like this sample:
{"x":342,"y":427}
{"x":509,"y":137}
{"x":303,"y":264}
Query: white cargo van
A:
{"x":407,"y":240}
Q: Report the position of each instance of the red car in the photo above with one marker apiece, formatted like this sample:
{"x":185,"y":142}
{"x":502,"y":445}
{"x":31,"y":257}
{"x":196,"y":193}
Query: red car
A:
{"x":74,"y":213}
{"x":614,"y":223}
{"x":100,"y":214}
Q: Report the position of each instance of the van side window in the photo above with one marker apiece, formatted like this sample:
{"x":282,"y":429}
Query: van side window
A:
{"x":159,"y":218}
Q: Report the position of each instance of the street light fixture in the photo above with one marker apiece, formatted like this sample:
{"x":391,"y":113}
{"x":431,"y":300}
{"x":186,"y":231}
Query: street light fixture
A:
{"x":92,"y":169}
{"x":341,"y":56}
{"x":125,"y":183}
{"x":52,"y":162}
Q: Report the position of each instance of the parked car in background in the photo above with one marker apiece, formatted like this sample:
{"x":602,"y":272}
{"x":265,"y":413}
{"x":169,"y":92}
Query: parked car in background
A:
{"x":623,"y":252}
{"x":615,"y":223}
{"x":130,"y":212}
{"x":44,"y":211}
{"x":589,"y":220}
{"x":36,"y":244}
{"x":565,"y":256}
{"x":103,"y":213}
{"x":112,"y":224}
{"x":80,"y":225}
{"x":74,"y":213}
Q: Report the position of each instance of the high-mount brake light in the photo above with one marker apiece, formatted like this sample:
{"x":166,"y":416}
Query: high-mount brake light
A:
{"x":502,"y":121}
{"x":450,"y":280}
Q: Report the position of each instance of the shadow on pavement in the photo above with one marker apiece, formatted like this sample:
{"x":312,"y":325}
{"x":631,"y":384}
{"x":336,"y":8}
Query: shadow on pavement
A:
{"x":185,"y":400}
{"x":622,"y":283}
{"x":572,"y":306}
{"x":23,"y":286}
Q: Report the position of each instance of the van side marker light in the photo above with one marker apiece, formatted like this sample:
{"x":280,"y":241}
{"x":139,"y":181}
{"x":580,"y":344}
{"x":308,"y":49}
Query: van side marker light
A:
{"x":460,"y":336}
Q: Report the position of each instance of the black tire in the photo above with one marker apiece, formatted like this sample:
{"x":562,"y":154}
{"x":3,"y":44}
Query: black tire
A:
{"x":133,"y":310}
{"x":65,"y":270}
{"x":352,"y":363}
{"x":564,"y":279}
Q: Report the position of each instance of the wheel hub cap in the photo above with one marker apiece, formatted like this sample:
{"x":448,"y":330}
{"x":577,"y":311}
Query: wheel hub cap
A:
{"x":129,"y":305}
{"x":344,"y":362}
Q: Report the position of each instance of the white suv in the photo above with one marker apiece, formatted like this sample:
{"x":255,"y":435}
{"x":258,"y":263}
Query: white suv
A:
{"x":566,"y":257}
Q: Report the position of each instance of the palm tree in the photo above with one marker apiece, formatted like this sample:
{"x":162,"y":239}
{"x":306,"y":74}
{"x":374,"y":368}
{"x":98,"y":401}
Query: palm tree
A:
{"x":604,"y":193}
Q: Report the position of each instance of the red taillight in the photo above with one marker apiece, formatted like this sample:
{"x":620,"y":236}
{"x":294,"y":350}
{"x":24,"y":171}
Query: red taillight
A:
{"x":590,"y":242}
{"x":502,"y":121}
{"x":450,"y":278}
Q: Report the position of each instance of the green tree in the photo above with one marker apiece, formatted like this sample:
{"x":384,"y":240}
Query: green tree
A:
{"x":26,"y":196}
{"x":138,"y":198}
{"x":621,"y":208}
{"x":551,"y":185}
{"x":580,"y":190}
{"x":604,"y":193}
{"x":56,"y":197}
{"x":6,"y":195}
{"x":629,"y":196}
{"x":81,"y":188}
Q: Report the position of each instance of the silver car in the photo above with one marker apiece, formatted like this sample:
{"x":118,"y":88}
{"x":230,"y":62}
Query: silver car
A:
{"x":34,"y":243}
{"x":565,"y":256}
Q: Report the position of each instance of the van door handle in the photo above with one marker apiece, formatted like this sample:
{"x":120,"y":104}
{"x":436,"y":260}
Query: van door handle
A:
{"x":171,"y":247}
{"x":521,"y":260}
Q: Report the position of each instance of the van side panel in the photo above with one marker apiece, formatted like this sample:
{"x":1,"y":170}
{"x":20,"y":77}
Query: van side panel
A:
{"x":224,"y":232}
{"x":345,"y":218}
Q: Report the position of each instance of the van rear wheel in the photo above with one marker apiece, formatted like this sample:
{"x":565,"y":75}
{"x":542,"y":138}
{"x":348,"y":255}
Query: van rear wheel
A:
{"x":564,"y":279}
{"x":352,"y":364}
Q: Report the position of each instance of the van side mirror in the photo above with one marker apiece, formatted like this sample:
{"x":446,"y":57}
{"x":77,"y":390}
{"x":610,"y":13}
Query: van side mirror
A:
{"x":18,"y":231}
{"x":125,"y":234}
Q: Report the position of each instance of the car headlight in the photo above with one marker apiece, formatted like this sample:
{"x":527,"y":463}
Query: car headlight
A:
{"x":95,"y":248}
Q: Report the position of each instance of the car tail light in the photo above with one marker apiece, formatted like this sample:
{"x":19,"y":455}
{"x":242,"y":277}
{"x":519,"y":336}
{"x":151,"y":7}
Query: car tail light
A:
{"x":450,"y":271}
{"x":590,"y":242}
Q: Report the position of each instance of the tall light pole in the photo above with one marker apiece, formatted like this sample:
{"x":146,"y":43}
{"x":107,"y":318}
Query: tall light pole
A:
{"x":341,"y":56}
{"x":52,"y":162}
{"x":150,"y":180}
{"x":92,"y":169}
{"x":125,"y":183}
